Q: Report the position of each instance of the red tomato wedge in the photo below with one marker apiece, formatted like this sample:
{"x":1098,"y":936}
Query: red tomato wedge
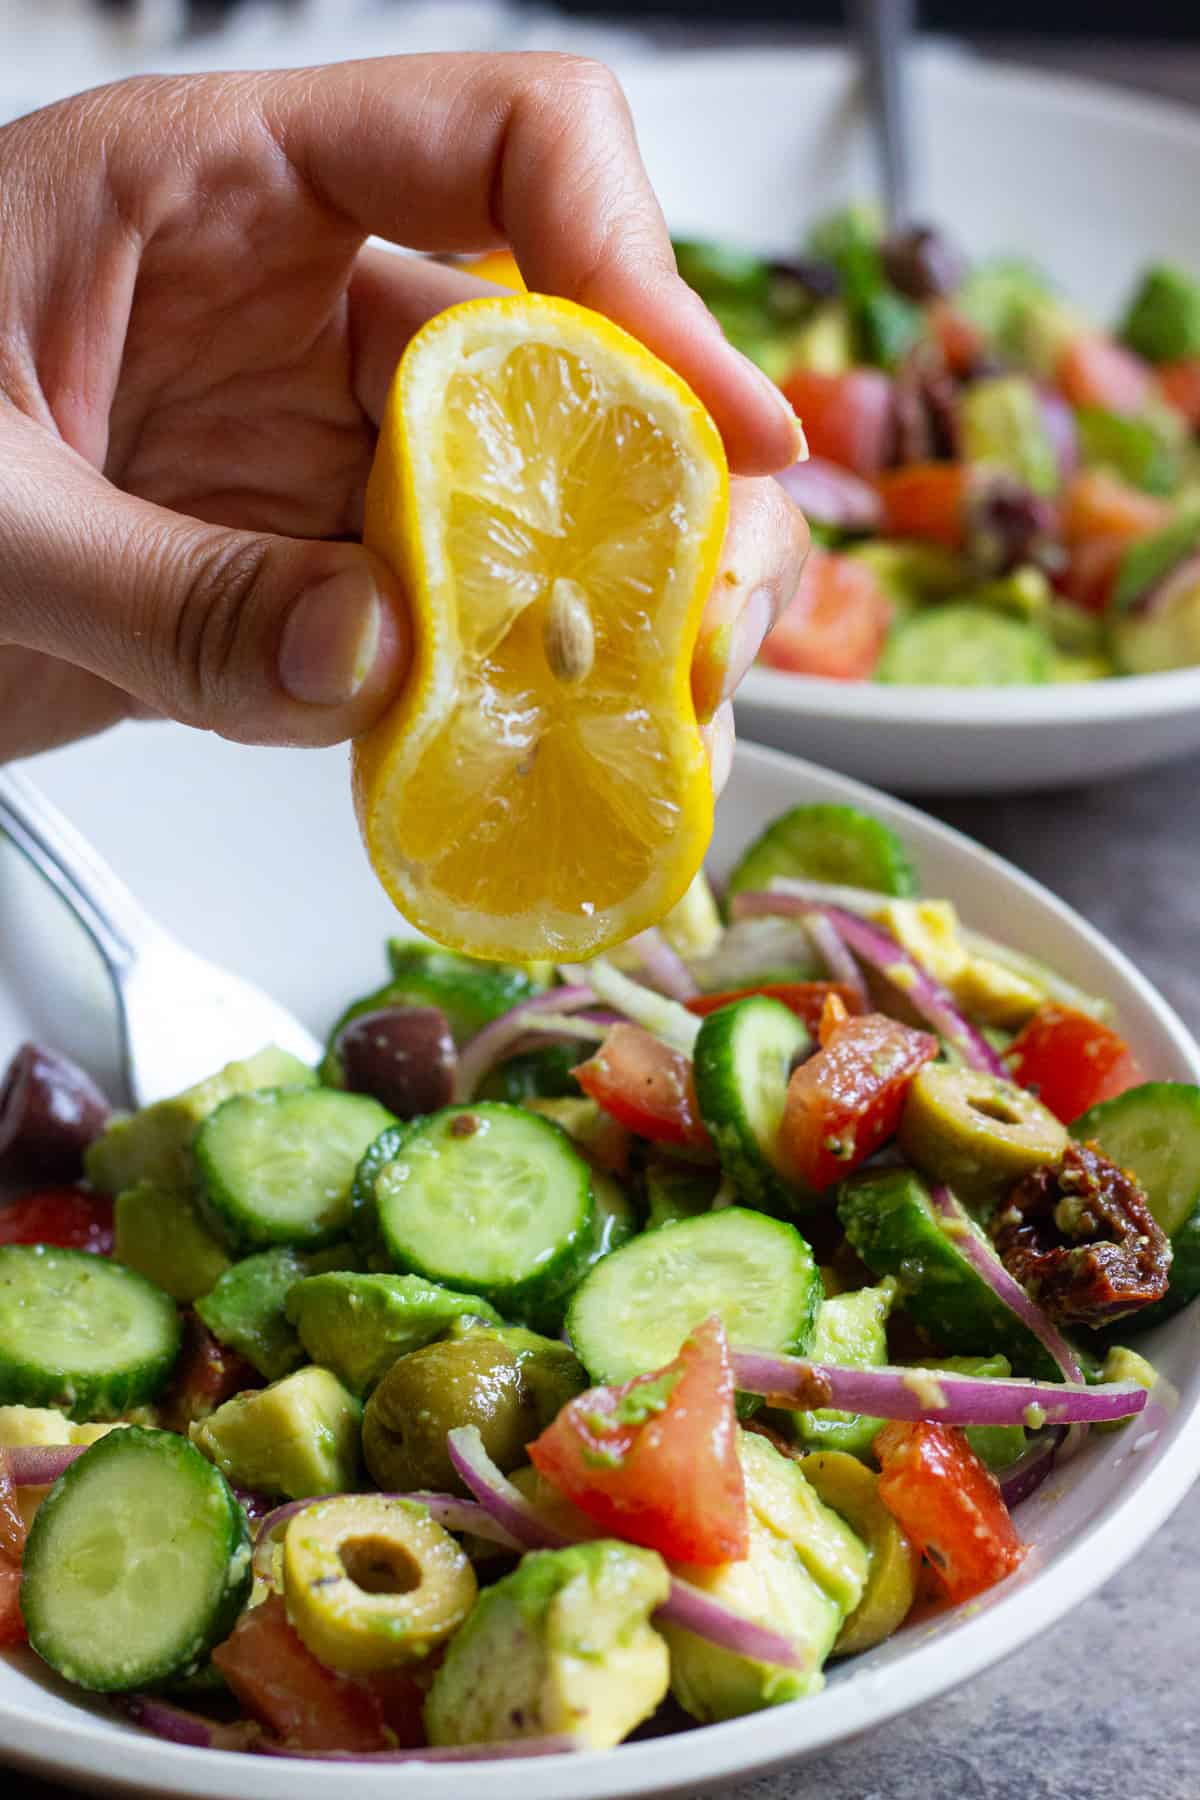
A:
{"x":1180,"y":383}
{"x":1071,"y":1061}
{"x":646,"y":1086}
{"x":305,"y":1705}
{"x":655,"y":1461}
{"x":805,"y":998}
{"x":847,"y":418}
{"x":950,"y":1505}
{"x":845,"y":1102}
{"x":960,"y":340}
{"x":926,"y":500}
{"x":1091,"y":572}
{"x":1098,"y":504}
{"x":12,"y":1545}
{"x":1093,"y":370}
{"x":834,"y":625}
{"x":68,"y":1217}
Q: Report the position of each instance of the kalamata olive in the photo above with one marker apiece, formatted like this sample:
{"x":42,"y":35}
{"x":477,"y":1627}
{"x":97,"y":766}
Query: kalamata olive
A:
{"x":925,"y":401}
{"x":403,"y":1056}
{"x":49,"y":1113}
{"x":793,"y":287}
{"x":922,"y":263}
{"x":1008,"y":525}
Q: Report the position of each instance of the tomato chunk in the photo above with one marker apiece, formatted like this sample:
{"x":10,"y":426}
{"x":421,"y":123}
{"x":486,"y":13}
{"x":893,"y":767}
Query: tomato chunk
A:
{"x":207,"y":1374}
{"x":847,"y":418}
{"x":835,"y":624}
{"x":12,"y":1546}
{"x":1071,"y":1061}
{"x":926,"y":500}
{"x":655,"y":1461}
{"x":805,"y":998}
{"x":960,"y":340}
{"x":845,"y":1102}
{"x":950,"y":1505}
{"x":305,"y":1705}
{"x":1098,"y":504}
{"x":1093,"y":370}
{"x":1180,"y":383}
{"x":68,"y":1217}
{"x":646,"y":1086}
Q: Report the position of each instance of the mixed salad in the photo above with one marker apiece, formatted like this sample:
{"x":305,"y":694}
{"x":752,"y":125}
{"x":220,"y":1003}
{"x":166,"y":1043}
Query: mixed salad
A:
{"x":579,"y":1351}
{"x":1002,"y":492}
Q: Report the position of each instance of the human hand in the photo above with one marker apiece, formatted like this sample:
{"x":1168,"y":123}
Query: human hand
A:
{"x":195,"y":347}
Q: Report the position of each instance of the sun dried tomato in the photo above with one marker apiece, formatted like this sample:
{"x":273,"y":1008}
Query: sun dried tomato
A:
{"x":1080,"y":1237}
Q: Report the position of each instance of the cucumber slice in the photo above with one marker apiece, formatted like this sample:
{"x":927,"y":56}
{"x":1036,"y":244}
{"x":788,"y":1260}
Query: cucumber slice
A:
{"x":137,"y":1563}
{"x":81,"y":1333}
{"x":487,"y":1199}
{"x":674,"y":1191}
{"x":1154,"y":1132}
{"x":638,"y":1305}
{"x":838,"y":844}
{"x":966,"y":645}
{"x":889,"y":1220}
{"x":744,"y":1056}
{"x":543,"y":1074}
{"x":277,"y":1166}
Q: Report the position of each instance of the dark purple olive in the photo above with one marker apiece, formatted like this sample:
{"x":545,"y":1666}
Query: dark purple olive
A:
{"x":49,"y":1113}
{"x":925,"y":407}
{"x":923,"y":263}
{"x":1008,"y":525}
{"x":403,"y":1056}
{"x":794,"y":287}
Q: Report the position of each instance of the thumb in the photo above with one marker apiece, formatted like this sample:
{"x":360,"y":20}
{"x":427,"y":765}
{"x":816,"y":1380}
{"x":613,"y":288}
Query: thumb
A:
{"x":260,"y":638}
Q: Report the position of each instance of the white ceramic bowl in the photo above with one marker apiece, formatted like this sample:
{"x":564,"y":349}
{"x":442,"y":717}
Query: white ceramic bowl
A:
{"x":252,"y":856}
{"x":1089,"y":181}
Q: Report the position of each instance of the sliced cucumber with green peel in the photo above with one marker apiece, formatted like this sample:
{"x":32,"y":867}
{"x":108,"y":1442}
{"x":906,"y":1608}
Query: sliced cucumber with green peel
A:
{"x":277,"y":1167}
{"x":837,"y":844}
{"x":470,"y":993}
{"x":744,"y":1056}
{"x":637,"y":1306}
{"x":890,"y":1221}
{"x":488,"y":1199}
{"x":966,"y":645}
{"x":136,"y":1565}
{"x":1154,"y":1132}
{"x":81,"y":1333}
{"x":542,"y":1074}
{"x":675,"y":1191}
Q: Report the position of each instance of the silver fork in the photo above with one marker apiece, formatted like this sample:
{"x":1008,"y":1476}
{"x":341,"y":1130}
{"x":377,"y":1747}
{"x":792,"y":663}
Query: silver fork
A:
{"x":181,"y":1017}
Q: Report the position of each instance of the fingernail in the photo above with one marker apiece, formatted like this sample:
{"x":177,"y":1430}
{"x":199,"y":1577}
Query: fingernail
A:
{"x":330,"y":640}
{"x":718,"y":738}
{"x":780,"y":401}
{"x":750,"y":628}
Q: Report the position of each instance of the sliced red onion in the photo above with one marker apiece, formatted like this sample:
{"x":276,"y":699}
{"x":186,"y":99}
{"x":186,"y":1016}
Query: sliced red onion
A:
{"x":486,"y":1048}
{"x":971,"y":1243}
{"x":178,"y":1726}
{"x":935,"y":1394}
{"x":687,"y":1606}
{"x":662,"y":966}
{"x":1027,"y":1474}
{"x":821,"y":893}
{"x":1059,"y":421}
{"x":505,"y":1750}
{"x":880,"y":951}
{"x":446,"y":1509}
{"x":37,"y":1465}
{"x":663,"y":1018}
{"x":837,"y":959}
{"x":832,"y":495}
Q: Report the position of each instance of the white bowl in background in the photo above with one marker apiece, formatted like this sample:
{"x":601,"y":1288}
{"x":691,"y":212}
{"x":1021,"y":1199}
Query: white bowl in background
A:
{"x":251,"y":856}
{"x":1092,"y":183}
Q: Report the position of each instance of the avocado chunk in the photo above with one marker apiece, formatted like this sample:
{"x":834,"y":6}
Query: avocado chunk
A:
{"x":152,"y":1144}
{"x":995,"y":1445}
{"x":1161,"y":635}
{"x":247,"y":1307}
{"x":1002,"y":424}
{"x":563,"y":1644}
{"x":805,"y":1573}
{"x":359,"y":1325}
{"x":851,"y":1330}
{"x":1163,"y":321}
{"x":297,"y":1438}
{"x":159,"y":1232}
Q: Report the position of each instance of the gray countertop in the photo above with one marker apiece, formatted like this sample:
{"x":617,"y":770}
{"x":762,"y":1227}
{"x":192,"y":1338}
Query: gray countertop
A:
{"x":1105,"y":1706}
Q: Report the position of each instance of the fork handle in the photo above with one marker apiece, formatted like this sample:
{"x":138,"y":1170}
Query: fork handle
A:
{"x":884,"y":29}
{"x":100,"y":901}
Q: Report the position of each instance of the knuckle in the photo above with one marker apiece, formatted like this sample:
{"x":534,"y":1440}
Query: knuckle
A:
{"x":212,"y":628}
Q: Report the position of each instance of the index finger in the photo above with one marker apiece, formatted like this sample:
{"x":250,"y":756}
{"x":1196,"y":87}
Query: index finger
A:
{"x":456,"y":153}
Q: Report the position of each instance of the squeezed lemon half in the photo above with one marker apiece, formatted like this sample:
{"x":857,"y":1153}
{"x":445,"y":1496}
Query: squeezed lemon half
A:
{"x":554,"y":499}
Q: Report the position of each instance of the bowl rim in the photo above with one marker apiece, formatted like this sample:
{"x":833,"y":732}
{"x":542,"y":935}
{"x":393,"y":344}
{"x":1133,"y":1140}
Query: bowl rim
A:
{"x":79,"y":1747}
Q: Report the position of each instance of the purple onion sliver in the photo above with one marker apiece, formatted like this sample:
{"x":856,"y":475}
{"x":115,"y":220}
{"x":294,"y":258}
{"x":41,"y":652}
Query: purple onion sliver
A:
{"x":37,"y":1465}
{"x":1059,"y":421}
{"x":1026,"y":1475}
{"x":662,"y":966}
{"x":836,"y":957}
{"x":506,"y":1750}
{"x":486,"y":1048}
{"x":178,"y":1726}
{"x":695,"y":1611}
{"x":832,"y":495}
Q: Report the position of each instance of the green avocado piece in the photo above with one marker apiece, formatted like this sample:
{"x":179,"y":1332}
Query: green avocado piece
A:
{"x":911,"y":572}
{"x":805,"y":1572}
{"x":1146,"y":451}
{"x":296,"y":1439}
{"x":996,"y":1445}
{"x":153,"y":1144}
{"x":359,"y":1325}
{"x":1002,"y":424}
{"x":159,"y":1232}
{"x":851,"y":1330}
{"x":247,"y":1307}
{"x":1163,"y":320}
{"x":823,"y":344}
{"x":1159,"y":636}
{"x":563,"y":1644}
